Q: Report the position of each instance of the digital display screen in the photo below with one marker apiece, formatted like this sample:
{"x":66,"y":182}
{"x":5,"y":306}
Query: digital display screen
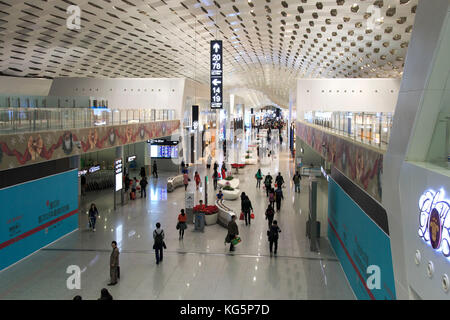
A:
{"x":119,"y":178}
{"x":164,"y":151}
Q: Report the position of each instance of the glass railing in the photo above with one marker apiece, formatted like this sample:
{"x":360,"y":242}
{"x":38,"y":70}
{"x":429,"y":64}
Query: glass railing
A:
{"x":372,"y":128}
{"x":20,"y":120}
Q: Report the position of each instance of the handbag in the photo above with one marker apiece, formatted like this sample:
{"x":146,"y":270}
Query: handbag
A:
{"x":236,"y":241}
{"x":178,"y":226}
{"x":252,"y":216}
{"x":118,"y":272}
{"x":241,"y":217}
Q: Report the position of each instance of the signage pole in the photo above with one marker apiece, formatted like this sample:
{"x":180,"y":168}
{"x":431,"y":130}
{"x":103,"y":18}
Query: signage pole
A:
{"x":206,"y":190}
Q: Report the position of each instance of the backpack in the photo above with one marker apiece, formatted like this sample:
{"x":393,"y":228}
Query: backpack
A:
{"x":159,"y":238}
{"x":271,"y":197}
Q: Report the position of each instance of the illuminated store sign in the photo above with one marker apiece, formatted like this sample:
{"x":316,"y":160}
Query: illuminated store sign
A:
{"x":119,"y":174}
{"x":131,"y":158}
{"x":82,"y":173}
{"x":434,"y":225}
{"x":94,"y":169}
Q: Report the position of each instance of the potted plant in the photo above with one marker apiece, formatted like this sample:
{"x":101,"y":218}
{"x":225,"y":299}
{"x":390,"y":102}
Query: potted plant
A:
{"x":228,"y":188}
{"x":229,"y":178}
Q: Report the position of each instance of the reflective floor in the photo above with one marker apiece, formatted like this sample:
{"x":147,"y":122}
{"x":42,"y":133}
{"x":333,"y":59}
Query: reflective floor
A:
{"x":198,"y":267}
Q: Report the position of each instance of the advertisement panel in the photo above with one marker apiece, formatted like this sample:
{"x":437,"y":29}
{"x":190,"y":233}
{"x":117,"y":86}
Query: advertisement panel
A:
{"x":37,"y":213}
{"x":362,"y":247}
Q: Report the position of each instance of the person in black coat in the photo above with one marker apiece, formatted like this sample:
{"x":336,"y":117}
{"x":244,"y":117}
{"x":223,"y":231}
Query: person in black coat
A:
{"x":143,"y":184}
{"x":279,"y":180}
{"x":278,"y":197}
{"x":93,"y":213}
{"x":105,"y":295}
{"x":273,"y":236}
{"x":270,"y":214}
{"x":155,"y":170}
{"x":246,"y":209}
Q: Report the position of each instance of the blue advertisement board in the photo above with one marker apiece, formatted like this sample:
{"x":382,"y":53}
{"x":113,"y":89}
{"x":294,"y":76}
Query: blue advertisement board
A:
{"x":35,"y":214}
{"x":360,"y":244}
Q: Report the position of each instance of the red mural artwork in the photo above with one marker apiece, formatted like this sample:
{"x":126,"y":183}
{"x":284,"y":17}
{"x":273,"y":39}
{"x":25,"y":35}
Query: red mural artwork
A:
{"x":89,"y":140}
{"x":360,"y":164}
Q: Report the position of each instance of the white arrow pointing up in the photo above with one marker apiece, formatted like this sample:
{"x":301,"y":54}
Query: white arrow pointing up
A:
{"x":216,"y":82}
{"x":216,"y":47}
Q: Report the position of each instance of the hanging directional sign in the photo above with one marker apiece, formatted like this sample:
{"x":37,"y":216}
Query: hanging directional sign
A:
{"x":216,"y":74}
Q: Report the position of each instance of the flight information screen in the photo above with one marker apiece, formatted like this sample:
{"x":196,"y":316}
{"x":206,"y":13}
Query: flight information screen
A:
{"x":164,"y":151}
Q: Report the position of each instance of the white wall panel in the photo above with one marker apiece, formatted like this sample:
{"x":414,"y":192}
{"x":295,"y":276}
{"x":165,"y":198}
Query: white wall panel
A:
{"x":24,"y":86}
{"x":370,"y":95}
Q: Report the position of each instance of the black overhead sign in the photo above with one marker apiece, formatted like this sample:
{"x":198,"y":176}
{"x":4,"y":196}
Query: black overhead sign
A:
{"x":216,"y":74}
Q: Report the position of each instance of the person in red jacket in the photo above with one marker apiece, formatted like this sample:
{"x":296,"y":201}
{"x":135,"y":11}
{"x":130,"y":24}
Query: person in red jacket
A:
{"x":182,"y":218}
{"x":197,"y":179}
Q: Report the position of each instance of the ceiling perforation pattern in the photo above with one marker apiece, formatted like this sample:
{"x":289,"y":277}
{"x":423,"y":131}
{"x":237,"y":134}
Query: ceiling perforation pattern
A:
{"x":267,"y":44}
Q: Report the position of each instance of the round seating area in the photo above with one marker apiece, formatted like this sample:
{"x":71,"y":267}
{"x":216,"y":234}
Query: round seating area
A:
{"x":174,"y":182}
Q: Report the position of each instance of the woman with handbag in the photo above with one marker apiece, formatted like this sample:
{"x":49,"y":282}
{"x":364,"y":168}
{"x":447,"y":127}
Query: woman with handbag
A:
{"x":233,"y":232}
{"x":181,"y":225}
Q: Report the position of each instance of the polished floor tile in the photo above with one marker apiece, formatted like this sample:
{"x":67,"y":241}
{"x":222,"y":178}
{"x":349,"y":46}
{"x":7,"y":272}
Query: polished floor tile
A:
{"x":198,"y":267}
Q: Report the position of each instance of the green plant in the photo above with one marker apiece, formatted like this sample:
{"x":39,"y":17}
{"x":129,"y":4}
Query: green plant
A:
{"x":228,"y":188}
{"x":229,"y":178}
{"x":247,"y":157}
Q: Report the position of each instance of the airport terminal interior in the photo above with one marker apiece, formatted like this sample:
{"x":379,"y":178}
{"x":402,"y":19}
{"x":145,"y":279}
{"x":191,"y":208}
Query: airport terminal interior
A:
{"x":225,"y":150}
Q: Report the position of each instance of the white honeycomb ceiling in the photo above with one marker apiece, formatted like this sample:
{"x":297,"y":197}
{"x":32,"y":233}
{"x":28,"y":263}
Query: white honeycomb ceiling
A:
{"x":267,"y":43}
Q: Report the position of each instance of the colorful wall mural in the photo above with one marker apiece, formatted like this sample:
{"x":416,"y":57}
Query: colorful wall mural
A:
{"x":28,"y":148}
{"x":360,"y":164}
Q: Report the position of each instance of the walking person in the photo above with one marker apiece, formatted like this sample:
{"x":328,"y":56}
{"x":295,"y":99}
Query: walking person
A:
{"x":114,"y":264}
{"x":270,"y":214}
{"x":278,"y":197}
{"x":215,"y":178}
{"x":155,"y":170}
{"x":224,"y":171}
{"x":279,"y":180}
{"x":268,"y":183}
{"x":258,"y":177}
{"x":247,"y":208}
{"x":83,"y":185}
{"x":181,"y":225}
{"x":297,"y":179}
{"x":273,"y":236}
{"x":272,"y":198}
{"x":143,"y":185}
{"x":208,"y":162}
{"x":197,"y":179}
{"x":182,"y":165}
{"x":158,"y":245}
{"x":133,"y":189}
{"x":105,"y":295}
{"x":233,"y":231}
{"x":185,"y":180}
{"x":93,"y":213}
{"x":143,"y":174}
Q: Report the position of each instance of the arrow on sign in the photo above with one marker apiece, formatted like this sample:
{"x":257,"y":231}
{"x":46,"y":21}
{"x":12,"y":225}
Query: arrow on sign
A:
{"x":216,"y":82}
{"x":216,"y":47}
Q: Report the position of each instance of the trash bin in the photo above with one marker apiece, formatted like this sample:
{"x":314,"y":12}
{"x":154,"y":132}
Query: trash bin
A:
{"x":199,"y":221}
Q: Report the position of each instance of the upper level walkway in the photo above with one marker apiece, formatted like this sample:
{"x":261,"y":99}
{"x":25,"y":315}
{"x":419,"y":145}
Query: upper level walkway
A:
{"x":22,"y":120}
{"x":29,"y":136}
